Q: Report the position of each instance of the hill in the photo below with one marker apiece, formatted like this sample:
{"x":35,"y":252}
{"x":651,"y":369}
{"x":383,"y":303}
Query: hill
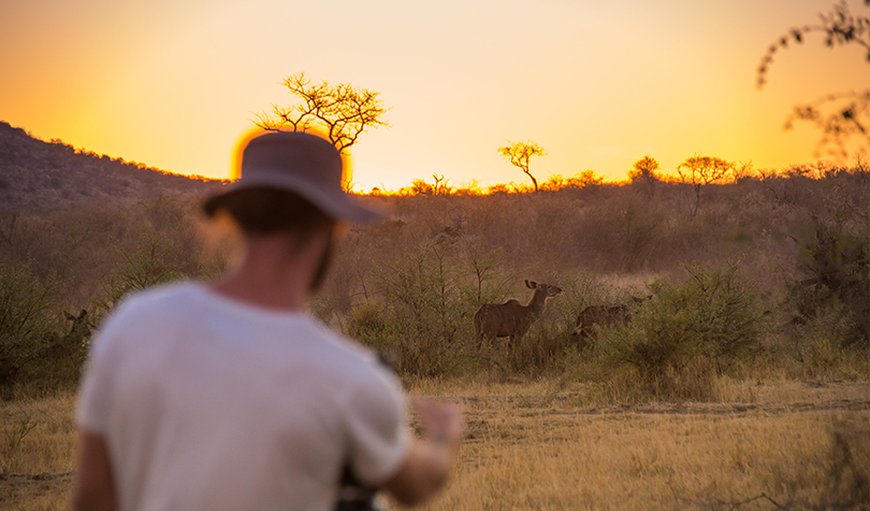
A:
{"x":39,"y":175}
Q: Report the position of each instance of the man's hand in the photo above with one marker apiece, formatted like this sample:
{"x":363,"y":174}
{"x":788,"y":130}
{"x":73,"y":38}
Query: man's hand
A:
{"x":442,"y":421}
{"x":430,"y":458}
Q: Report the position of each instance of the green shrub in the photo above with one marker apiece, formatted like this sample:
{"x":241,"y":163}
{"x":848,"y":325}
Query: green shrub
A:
{"x":368,"y":325}
{"x":25,"y":320}
{"x":835,"y":263}
{"x":426,"y":312}
{"x":678,"y":342}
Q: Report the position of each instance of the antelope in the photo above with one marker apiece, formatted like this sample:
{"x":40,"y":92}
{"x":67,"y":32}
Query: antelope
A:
{"x":511,"y":319}
{"x":60,"y":348}
{"x":602,"y":315}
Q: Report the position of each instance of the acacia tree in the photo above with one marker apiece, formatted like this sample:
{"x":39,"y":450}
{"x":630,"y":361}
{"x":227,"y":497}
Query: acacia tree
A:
{"x":843,"y":116}
{"x":519,"y":154}
{"x":644,"y":171}
{"x":342,"y":111}
{"x":700,"y":171}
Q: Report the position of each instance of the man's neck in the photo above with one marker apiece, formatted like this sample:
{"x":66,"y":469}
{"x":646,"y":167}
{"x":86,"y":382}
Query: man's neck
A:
{"x":270,"y":277}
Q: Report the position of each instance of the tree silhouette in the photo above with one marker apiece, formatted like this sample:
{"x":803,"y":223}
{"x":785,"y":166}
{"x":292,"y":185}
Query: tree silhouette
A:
{"x":343,"y":111}
{"x":644,"y":171}
{"x":441,"y":185}
{"x":841,"y":116}
{"x":700,"y":171}
{"x":519,"y":154}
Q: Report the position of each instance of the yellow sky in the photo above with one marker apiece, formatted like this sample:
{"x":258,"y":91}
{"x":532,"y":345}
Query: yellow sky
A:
{"x":598,"y":84}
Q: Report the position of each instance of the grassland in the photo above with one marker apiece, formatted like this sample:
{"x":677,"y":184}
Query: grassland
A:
{"x":545,"y":447}
{"x":551,"y":445}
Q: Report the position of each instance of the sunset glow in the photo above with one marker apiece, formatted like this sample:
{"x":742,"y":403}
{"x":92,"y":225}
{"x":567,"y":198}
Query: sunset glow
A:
{"x":597,"y":84}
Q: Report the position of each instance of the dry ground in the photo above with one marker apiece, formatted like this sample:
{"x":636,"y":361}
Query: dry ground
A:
{"x":546,"y":445}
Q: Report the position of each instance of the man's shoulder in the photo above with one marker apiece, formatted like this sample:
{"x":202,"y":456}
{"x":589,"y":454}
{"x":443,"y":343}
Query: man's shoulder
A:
{"x":163,"y":298}
{"x":345,"y":348}
{"x":170,"y":291}
{"x":350,"y":359}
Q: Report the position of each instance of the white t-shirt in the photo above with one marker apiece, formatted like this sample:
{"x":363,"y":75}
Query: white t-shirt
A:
{"x":207,"y":403}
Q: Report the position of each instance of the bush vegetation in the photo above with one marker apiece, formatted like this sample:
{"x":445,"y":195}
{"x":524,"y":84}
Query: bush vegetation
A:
{"x":770,"y":275}
{"x":679,"y":342}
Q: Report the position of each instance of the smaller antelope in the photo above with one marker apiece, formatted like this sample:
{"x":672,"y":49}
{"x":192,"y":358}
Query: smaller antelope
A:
{"x":510,"y":319}
{"x":603,"y":315}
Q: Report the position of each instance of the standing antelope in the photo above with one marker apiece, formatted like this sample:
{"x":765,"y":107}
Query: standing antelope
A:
{"x":510,"y":319}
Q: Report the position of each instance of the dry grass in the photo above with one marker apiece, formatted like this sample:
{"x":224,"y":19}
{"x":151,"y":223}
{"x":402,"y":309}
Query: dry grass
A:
{"x":548,"y":445}
{"x":37,"y":440}
{"x":544,"y":447}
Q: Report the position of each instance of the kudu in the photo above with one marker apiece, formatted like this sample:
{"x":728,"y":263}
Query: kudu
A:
{"x":73,"y":343}
{"x":511,"y":319}
{"x":595,"y":316}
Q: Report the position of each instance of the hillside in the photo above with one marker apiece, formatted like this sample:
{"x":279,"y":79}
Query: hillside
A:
{"x":38,"y":175}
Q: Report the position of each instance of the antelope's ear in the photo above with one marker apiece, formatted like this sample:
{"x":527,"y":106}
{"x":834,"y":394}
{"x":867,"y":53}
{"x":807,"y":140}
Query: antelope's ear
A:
{"x":531,"y":285}
{"x":556,"y":290}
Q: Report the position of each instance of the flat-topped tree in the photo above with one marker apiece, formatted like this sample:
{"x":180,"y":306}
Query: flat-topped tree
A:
{"x":342,"y":111}
{"x":519,"y":154}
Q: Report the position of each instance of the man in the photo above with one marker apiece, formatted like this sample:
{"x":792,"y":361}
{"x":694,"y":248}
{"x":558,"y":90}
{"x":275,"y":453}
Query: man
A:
{"x":229,"y":396}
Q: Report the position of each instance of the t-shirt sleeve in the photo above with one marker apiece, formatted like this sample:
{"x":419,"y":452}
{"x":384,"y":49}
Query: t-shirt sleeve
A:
{"x":377,"y":428}
{"x":94,"y":396}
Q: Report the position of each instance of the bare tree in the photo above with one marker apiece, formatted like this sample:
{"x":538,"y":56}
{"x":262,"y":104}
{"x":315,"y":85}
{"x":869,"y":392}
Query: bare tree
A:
{"x":841,"y":117}
{"x":343,"y":111}
{"x":440,"y":186}
{"x":700,"y":171}
{"x":519,"y":154}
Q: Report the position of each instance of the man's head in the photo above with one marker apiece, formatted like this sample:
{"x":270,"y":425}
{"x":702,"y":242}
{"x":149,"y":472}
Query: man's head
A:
{"x":290,"y":187}
{"x":304,"y":164}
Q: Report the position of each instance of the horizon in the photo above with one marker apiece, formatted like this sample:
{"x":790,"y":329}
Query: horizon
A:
{"x":819,"y":169}
{"x":451,"y":103}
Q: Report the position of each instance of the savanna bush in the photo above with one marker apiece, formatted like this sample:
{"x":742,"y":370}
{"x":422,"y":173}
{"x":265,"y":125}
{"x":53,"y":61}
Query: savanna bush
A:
{"x":24,"y":319}
{"x":834,"y":261}
{"x":421,"y":317}
{"x":680,"y":341}
{"x":35,"y":348}
{"x":368,"y":325}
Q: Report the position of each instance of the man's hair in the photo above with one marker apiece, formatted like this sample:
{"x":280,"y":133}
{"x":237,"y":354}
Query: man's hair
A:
{"x":268,"y":211}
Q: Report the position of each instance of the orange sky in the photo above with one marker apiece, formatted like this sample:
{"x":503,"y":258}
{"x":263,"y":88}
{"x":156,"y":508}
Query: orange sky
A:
{"x":597,"y":84}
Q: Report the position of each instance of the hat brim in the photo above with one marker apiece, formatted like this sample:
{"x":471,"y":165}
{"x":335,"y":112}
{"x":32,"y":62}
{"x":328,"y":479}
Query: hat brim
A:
{"x":337,"y":205}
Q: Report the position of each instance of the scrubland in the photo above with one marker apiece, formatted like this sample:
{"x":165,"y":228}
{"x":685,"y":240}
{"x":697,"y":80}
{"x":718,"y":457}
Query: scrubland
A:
{"x":743,"y":382}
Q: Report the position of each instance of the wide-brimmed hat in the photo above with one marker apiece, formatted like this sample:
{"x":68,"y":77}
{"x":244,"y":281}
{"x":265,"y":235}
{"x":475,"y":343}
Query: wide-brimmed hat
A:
{"x":301,"y":163}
